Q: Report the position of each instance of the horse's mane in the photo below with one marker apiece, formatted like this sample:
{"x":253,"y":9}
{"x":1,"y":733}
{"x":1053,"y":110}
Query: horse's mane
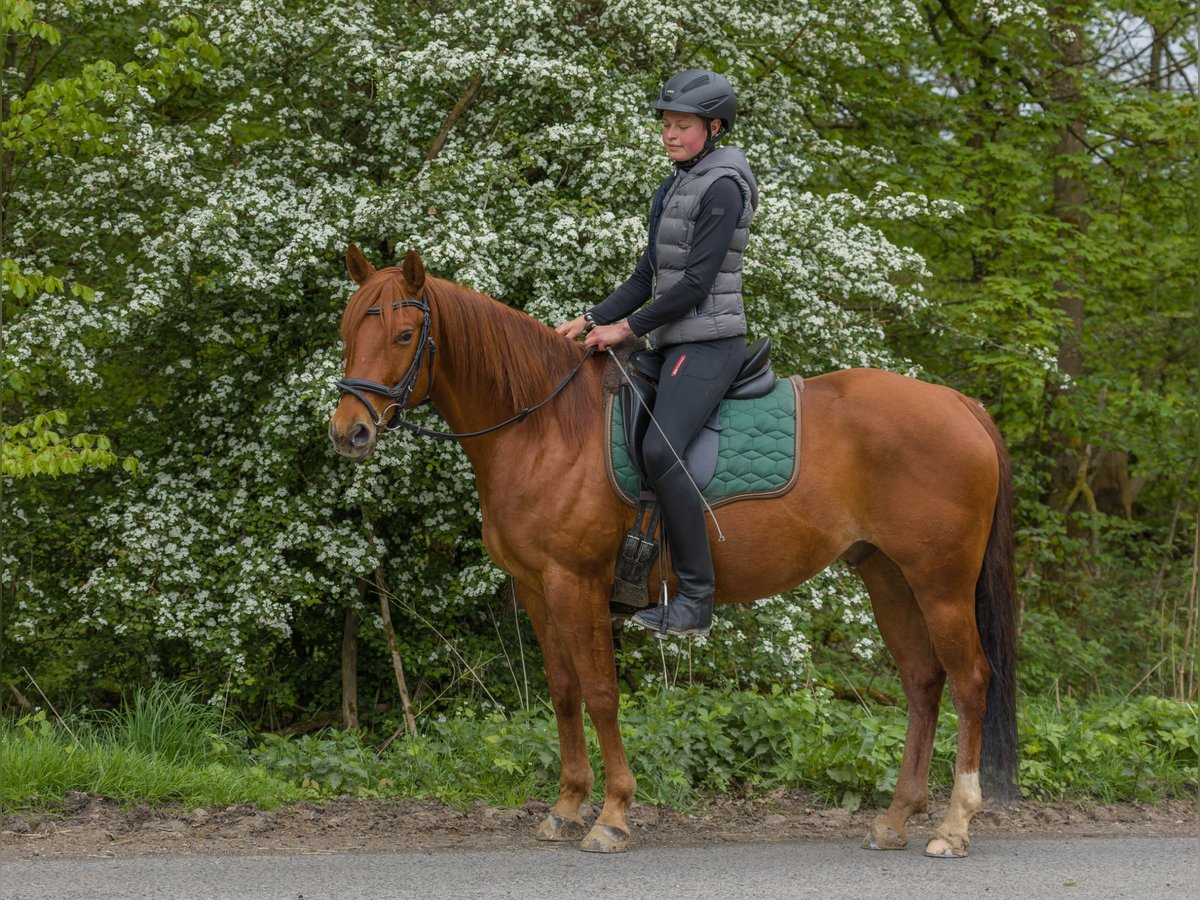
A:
{"x":499,"y":353}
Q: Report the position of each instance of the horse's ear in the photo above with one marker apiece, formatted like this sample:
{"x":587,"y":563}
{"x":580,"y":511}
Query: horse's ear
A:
{"x":413,"y":270}
{"x":356,"y":264}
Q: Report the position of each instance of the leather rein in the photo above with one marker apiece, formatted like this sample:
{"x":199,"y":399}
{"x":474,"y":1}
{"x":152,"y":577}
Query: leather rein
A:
{"x":392,"y":416}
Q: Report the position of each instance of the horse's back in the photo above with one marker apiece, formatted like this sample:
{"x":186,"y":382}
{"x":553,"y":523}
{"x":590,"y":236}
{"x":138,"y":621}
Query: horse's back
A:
{"x":890,"y":414}
{"x":887,"y":443}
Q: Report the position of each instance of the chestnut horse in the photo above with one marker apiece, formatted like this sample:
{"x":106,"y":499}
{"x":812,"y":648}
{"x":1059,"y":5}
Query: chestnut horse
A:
{"x":906,"y":481}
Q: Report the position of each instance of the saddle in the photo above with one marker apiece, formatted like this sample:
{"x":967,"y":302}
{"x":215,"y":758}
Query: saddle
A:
{"x":754,"y":379}
{"x":640,"y":547}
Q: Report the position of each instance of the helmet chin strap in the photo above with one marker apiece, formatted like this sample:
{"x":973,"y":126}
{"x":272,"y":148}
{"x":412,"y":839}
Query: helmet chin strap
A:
{"x":709,"y":146}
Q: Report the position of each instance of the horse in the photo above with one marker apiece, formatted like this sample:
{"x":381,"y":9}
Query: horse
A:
{"x":908,"y":482}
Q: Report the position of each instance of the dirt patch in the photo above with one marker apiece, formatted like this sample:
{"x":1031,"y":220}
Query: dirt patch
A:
{"x":94,"y":827}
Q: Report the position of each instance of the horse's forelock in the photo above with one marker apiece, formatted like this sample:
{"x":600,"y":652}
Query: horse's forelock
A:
{"x":383,"y":288}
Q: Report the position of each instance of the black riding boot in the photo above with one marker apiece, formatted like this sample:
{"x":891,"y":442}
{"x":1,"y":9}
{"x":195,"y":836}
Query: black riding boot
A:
{"x":689,"y":611}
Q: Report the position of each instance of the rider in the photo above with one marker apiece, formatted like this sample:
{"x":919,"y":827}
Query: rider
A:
{"x":691,"y":270}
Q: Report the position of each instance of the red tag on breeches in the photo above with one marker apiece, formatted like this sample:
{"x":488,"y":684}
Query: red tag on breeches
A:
{"x":675,"y":370}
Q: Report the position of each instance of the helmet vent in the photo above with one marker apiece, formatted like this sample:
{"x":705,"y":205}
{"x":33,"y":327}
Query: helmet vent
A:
{"x":695,"y":83}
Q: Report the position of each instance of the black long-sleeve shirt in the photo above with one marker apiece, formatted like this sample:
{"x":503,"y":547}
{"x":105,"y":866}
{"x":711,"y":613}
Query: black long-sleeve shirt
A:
{"x":716,"y":221}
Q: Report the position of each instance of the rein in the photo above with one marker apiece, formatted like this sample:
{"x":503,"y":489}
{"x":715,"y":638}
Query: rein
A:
{"x":402,"y":390}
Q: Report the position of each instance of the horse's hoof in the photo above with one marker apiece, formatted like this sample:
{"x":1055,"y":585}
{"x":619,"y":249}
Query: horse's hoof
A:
{"x":947,"y":848}
{"x":605,"y":839}
{"x":884,"y":837}
{"x":560,"y":828}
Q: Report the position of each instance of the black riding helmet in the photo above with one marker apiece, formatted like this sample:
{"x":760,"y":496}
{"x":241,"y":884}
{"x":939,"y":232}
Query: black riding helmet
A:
{"x":702,"y":92}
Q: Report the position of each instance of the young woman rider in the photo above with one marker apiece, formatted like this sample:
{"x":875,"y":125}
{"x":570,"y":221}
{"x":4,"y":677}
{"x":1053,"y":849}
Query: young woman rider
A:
{"x":691,"y":272}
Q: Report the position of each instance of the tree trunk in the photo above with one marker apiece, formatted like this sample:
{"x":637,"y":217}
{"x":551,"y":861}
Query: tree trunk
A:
{"x":1084,"y":476}
{"x":1157,"y":47}
{"x":350,"y":668}
{"x":385,"y":612}
{"x":401,"y":685}
{"x":1070,"y":190}
{"x":1068,"y":483}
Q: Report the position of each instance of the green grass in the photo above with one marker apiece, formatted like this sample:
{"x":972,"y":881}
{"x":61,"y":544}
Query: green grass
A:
{"x":39,"y":770}
{"x":163,"y":746}
{"x":167,"y":722}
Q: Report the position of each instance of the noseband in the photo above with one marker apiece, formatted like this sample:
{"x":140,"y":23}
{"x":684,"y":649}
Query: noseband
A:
{"x":402,"y":390}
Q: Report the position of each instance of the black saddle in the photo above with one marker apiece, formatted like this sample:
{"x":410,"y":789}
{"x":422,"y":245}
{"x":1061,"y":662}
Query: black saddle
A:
{"x":754,"y":379}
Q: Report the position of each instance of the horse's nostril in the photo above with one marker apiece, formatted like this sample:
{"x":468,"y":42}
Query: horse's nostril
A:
{"x":360,"y":435}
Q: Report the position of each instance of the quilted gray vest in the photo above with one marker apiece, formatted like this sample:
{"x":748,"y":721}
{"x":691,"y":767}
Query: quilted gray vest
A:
{"x":721,"y":314}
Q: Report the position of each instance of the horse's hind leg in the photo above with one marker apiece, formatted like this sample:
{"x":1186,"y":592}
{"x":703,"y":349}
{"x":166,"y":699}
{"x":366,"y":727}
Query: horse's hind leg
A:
{"x":903,"y":629}
{"x":564,"y":822}
{"x":949,"y":610}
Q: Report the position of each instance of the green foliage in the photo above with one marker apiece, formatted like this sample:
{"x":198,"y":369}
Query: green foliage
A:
{"x":167,"y":721}
{"x":696,"y":740}
{"x":459,"y":758}
{"x":74,"y":114}
{"x":682,"y":744}
{"x":1108,"y":220}
{"x":18,"y":17}
{"x":687,"y":743}
{"x":35,"y":447}
{"x":1054,"y":656}
{"x":178,"y":192}
{"x":1120,"y":625}
{"x":1137,"y":750}
{"x":208,"y":347}
{"x":20,"y":284}
{"x":327,"y":765}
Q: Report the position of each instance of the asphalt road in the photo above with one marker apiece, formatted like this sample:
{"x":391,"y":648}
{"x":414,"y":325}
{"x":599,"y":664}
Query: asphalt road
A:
{"x":1157,"y":868}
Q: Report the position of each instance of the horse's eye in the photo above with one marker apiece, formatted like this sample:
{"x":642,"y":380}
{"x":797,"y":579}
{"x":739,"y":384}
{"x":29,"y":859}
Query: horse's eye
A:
{"x":405,"y":337}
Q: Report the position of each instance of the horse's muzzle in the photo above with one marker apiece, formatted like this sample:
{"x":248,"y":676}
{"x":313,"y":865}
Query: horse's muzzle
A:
{"x":356,"y":441}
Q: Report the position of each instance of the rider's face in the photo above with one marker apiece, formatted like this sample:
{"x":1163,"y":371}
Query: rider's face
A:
{"x":683,"y":134}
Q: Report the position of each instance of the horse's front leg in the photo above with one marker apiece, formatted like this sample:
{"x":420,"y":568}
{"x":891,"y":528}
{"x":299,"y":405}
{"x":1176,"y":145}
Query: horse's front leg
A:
{"x":565,"y":820}
{"x":581,"y":621}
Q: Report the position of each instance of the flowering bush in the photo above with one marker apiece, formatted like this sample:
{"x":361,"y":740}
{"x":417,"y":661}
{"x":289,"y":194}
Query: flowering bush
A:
{"x":510,"y":143}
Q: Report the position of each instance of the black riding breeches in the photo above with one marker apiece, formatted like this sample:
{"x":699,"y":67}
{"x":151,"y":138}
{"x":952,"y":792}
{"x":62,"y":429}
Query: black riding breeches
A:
{"x":694,"y":379}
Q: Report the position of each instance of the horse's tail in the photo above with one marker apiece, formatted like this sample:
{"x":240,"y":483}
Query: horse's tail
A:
{"x":996,"y":617}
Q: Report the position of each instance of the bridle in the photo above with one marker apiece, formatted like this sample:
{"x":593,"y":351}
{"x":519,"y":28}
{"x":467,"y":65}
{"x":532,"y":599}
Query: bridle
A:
{"x":392,"y":416}
{"x":400,"y":392}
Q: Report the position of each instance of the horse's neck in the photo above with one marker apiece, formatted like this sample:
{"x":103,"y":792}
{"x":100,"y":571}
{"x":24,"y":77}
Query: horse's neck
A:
{"x":470,"y":387}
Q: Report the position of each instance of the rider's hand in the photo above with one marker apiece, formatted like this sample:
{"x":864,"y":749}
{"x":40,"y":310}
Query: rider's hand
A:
{"x":604,"y":336}
{"x":573,"y":329}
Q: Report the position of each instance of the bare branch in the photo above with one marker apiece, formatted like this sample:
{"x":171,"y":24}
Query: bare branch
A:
{"x":452,"y":118}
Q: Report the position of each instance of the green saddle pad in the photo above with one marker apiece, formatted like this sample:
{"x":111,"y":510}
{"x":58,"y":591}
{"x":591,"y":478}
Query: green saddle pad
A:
{"x":758,"y":452}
